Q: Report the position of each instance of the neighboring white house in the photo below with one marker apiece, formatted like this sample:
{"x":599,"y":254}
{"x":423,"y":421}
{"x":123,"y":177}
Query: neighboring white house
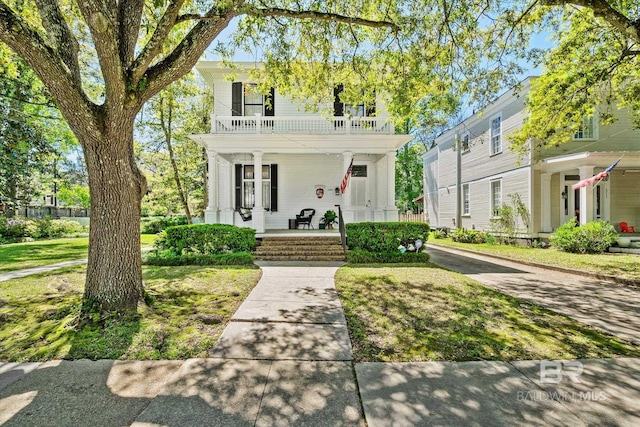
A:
{"x":484,"y":172}
{"x":302,"y":157}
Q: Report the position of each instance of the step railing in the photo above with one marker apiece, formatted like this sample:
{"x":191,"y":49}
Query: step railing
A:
{"x":343,"y":230}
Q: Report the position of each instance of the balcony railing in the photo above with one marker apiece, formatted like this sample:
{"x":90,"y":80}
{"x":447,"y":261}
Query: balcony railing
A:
{"x":300,"y":125}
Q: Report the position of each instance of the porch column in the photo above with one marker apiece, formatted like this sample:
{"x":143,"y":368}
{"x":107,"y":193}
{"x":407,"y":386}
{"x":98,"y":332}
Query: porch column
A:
{"x":345,"y":200}
{"x":586,"y":196}
{"x":212,"y":211}
{"x":545,"y":202}
{"x":258,"y":210}
{"x":225,"y":190}
{"x":391,"y":211}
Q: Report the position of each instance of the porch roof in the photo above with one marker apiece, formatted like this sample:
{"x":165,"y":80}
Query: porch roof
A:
{"x":301,"y":144}
{"x":630,"y":160}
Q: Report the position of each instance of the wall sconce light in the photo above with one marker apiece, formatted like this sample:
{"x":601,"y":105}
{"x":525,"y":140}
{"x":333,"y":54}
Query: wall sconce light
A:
{"x":564,"y":195}
{"x":337,"y":190}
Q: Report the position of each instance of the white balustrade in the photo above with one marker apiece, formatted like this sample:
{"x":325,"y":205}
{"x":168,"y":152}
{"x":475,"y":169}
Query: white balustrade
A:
{"x":299,"y":125}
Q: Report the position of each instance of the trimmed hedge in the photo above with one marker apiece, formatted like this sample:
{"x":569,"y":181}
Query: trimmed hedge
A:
{"x":358,"y":256}
{"x":206,"y":239}
{"x":591,"y":238}
{"x":385,"y":237}
{"x":170,"y":259}
{"x":156,"y":225}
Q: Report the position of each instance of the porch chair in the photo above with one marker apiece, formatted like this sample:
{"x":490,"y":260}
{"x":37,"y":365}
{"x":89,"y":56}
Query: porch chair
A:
{"x":625,"y":228}
{"x":305,"y":217}
{"x":245,"y":213}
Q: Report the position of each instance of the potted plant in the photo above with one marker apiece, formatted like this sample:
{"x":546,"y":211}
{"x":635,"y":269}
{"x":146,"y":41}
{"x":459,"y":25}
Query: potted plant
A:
{"x":329,"y":218}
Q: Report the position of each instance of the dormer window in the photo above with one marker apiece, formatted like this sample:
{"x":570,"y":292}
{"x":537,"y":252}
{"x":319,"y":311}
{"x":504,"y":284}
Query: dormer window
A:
{"x":248,"y":101}
{"x":586,"y":129}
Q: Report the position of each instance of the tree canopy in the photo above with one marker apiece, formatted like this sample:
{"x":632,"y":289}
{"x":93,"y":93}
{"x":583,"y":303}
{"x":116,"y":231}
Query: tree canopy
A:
{"x":101,"y":60}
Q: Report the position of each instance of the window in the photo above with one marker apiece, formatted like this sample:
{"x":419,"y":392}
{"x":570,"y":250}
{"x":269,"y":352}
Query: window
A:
{"x":248,"y":101}
{"x":496,"y":135}
{"x":586,"y":130}
{"x":359,"y":171}
{"x":465,"y":143}
{"x":246,"y":182}
{"x":496,"y":197}
{"x":359,"y":110}
{"x":465,"y":199}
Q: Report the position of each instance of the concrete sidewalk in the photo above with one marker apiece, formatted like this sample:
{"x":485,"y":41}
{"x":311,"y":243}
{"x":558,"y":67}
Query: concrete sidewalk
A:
{"x":285,"y":360}
{"x":37,"y":270}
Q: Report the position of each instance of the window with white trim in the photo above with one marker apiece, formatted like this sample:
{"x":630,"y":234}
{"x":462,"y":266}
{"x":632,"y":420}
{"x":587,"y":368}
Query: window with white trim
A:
{"x":246,"y":182}
{"x":586,"y":129}
{"x":496,"y":135}
{"x":464,"y":145}
{"x":496,"y":197}
{"x":465,"y":200}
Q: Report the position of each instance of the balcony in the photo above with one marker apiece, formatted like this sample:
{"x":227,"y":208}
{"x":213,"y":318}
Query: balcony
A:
{"x":233,"y":125}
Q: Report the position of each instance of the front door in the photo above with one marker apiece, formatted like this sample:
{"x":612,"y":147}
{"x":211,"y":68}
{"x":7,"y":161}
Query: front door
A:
{"x":360,"y":192}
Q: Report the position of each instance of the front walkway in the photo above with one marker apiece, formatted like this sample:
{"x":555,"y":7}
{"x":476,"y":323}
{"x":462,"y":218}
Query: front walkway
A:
{"x":37,"y":270}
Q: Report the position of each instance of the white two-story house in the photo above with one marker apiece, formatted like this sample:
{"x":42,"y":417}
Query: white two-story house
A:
{"x":301,"y":157}
{"x":471,"y":171}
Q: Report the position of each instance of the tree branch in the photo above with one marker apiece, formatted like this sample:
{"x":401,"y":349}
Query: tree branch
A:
{"x":129,"y":19}
{"x":154,"y":46}
{"x":48,"y":65}
{"x":60,"y":37}
{"x":298,"y":14}
{"x":602,"y":9}
{"x":103,"y":25}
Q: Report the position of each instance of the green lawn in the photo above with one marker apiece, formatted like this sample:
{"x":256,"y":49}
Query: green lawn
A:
{"x":620,"y":265}
{"x":18,"y":256}
{"x":398,"y":314}
{"x":185,"y":312}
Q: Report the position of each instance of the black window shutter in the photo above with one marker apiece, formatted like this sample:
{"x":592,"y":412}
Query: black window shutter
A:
{"x":236,"y":99}
{"x":338,"y":106}
{"x":269,"y":106}
{"x":274,"y":188}
{"x":238,"y":186}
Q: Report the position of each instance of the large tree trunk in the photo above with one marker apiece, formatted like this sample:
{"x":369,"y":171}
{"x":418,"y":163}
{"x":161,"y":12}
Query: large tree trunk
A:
{"x":114,"y":271}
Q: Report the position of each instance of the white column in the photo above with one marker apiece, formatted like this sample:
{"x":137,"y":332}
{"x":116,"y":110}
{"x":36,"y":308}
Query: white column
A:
{"x":346,"y":196}
{"x":391,"y":211}
{"x":257,"y":213}
{"x":225,"y":191}
{"x":545,"y":202}
{"x":348,"y":214}
{"x":212,"y":211}
{"x":586,"y":196}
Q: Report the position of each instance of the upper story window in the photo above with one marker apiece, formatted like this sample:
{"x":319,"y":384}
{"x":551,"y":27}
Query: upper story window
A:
{"x":586,"y":129}
{"x":496,"y":135}
{"x":464,"y":144}
{"x":341,"y":109}
{"x":246,"y":100}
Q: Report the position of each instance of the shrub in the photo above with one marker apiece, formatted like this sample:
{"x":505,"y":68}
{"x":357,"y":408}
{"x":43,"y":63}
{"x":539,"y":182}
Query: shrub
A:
{"x":207,"y":239}
{"x":169,"y":258}
{"x":48,"y":228}
{"x":593,"y":237}
{"x":358,"y":256}
{"x":17,"y":228}
{"x":385,"y":237}
{"x":439,"y":234}
{"x":462,"y":235}
{"x":156,"y":225}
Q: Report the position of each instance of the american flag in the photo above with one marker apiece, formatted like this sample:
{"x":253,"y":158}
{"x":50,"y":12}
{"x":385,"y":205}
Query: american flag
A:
{"x":345,"y":180}
{"x":595,"y":178}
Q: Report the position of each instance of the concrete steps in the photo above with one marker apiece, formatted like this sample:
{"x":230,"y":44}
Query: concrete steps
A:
{"x":299,"y":248}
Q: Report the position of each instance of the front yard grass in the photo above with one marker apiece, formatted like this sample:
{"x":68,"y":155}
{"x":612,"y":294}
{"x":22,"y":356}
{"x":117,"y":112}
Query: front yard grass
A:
{"x":620,"y":265}
{"x":399,"y":314}
{"x":185,"y":312}
{"x":18,"y":256}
